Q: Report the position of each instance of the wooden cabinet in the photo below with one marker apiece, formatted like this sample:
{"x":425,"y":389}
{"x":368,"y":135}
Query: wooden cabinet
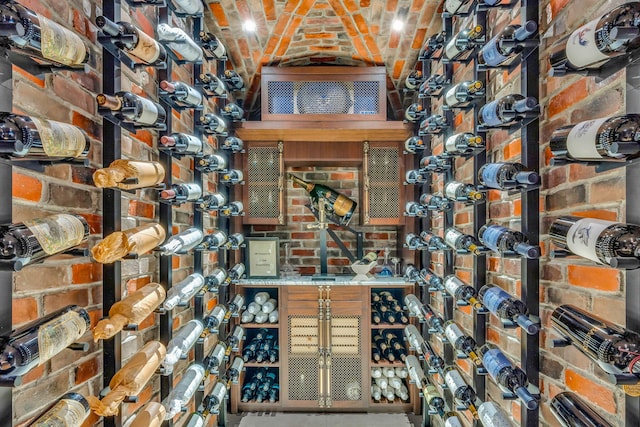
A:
{"x":383,"y":193}
{"x":263,"y":192}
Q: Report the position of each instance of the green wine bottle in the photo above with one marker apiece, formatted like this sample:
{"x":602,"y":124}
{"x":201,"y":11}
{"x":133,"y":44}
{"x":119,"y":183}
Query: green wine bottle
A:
{"x":339,"y":204}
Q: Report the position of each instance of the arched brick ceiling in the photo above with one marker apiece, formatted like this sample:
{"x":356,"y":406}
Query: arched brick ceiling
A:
{"x":315,"y":32}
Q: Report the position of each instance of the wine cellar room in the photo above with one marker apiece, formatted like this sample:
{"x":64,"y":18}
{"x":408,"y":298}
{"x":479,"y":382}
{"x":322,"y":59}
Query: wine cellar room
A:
{"x":349,"y":213}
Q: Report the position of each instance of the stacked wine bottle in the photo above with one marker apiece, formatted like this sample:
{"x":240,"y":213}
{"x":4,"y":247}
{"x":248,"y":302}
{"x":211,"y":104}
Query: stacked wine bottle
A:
{"x":263,"y":309}
{"x":389,"y":384}
{"x":385,"y":309}
{"x":261,"y":386}
{"x":388,"y":345}
{"x":263,"y":347}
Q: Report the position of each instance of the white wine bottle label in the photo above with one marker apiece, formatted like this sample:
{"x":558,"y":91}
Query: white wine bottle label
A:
{"x":451,"y":50}
{"x":582,"y":48}
{"x":57,"y":334}
{"x":60,"y":44}
{"x":452,"y":6}
{"x":191,"y":7}
{"x":193,"y":144}
{"x":65,"y":413}
{"x":453,"y":332}
{"x":454,"y":421}
{"x":453,"y":380}
{"x":60,"y":139}
{"x":147,"y":48}
{"x":451,"y":189}
{"x":490,"y":114}
{"x":582,"y":139}
{"x":450,"y":145}
{"x":149,"y":113}
{"x":450,"y":97}
{"x":193,"y":97}
{"x":583,"y":236}
{"x":491,"y":54}
{"x":451,"y":284}
{"x":57,"y":233}
{"x":194,"y":191}
{"x":451,"y":236}
{"x":492,"y":416}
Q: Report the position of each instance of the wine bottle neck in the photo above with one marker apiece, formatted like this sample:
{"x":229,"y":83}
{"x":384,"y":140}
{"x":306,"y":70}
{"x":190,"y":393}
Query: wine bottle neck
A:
{"x":113,"y":103}
{"x":302,"y":183}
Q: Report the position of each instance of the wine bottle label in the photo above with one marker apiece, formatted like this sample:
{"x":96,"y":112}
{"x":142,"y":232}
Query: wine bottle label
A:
{"x":60,"y":139}
{"x":450,"y":96}
{"x":452,"y":6}
{"x":146,"y":239}
{"x":147,"y":49}
{"x":490,"y":173}
{"x":453,"y":332}
{"x":491,"y":236}
{"x":582,"y":47}
{"x":451,"y":285}
{"x":451,"y":189}
{"x":583,"y":237}
{"x":60,"y":44}
{"x":220,"y":275}
{"x":454,"y":421}
{"x":430,"y":393}
{"x":193,"y":97}
{"x":149,"y":113}
{"x":194,"y":191}
{"x":57,"y":334}
{"x":493,"y":297}
{"x":582,"y":140}
{"x":451,"y":236}
{"x":450,"y":144}
{"x":57,"y":233}
{"x":451,"y":51}
{"x":193,"y":144}
{"x":491,"y":53}
{"x":453,"y":380}
{"x":490,"y":114}
{"x":65,"y":413}
{"x":492,"y":416}
{"x":495,"y":361}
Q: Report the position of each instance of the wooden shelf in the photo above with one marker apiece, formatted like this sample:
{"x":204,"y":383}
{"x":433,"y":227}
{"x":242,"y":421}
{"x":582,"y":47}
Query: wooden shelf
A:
{"x":260,"y":325}
{"x":384,"y":401}
{"x":389,"y":326}
{"x":261,"y":364}
{"x":384,"y":363}
{"x":256,"y":407}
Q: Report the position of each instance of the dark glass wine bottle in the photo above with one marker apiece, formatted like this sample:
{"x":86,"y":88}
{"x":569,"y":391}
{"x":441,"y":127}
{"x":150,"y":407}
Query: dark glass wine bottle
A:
{"x":34,"y":35}
{"x":461,"y":192}
{"x":375,"y":354}
{"x":509,"y":378}
{"x":506,"y":110}
{"x":504,"y":46}
{"x":376,"y":317}
{"x":232,"y":111}
{"x":433,"y":242}
{"x":213,"y":125}
{"x":609,"y":139}
{"x":131,"y":108}
{"x":234,"y":176}
{"x":461,"y":291}
{"x":433,"y":86}
{"x":234,"y":80}
{"x":415,"y":177}
{"x":433,"y":44}
{"x":182,"y":94}
{"x":461,"y":242}
{"x":420,"y":345}
{"x":182,"y":143}
{"x":463,"y":93}
{"x":463,"y":143}
{"x":461,"y":342}
{"x":414,"y":80}
{"x":212,"y":45}
{"x":464,"y":41}
{"x":336,"y":203}
{"x":71,"y":410}
{"x":233,"y":144}
{"x":505,"y":176}
{"x":605,"y":242}
{"x":186,"y":192}
{"x":415,"y":209}
{"x":41,"y":139}
{"x":414,"y":113}
{"x":212,"y":85}
{"x":431,"y":279}
{"x":140,"y":45}
{"x":28,"y":242}
{"x":35,"y":343}
{"x":593,"y":44}
{"x":504,"y":240}
{"x":430,"y":392}
{"x":433,"y":124}
{"x":214,"y":240}
{"x":610,"y":346}
{"x":434,"y":202}
{"x":424,"y":312}
{"x":211,"y":163}
{"x":435,"y":164}
{"x":572,"y":411}
{"x":380,"y":342}
{"x":507,"y":308}
{"x":413,"y":144}
{"x":463,"y":394}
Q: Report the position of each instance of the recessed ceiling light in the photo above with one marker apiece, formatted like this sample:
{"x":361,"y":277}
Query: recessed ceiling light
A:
{"x":249,"y":25}
{"x":397,"y":25}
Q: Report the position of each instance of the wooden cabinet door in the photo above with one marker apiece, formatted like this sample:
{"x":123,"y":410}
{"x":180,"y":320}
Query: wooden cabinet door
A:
{"x":383,"y":195}
{"x":263,"y":196}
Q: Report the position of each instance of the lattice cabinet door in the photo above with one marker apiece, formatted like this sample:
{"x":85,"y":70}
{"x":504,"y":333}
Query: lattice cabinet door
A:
{"x":382,"y":190}
{"x":263,"y":192}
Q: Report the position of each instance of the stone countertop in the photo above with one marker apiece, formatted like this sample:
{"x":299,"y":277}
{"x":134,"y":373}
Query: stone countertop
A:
{"x":309,"y":281}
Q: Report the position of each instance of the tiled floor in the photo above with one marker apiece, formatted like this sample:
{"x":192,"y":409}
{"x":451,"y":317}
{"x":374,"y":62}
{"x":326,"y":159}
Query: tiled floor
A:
{"x":272,"y":419}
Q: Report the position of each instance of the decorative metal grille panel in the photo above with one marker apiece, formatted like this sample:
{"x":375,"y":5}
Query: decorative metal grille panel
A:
{"x":303,"y":357}
{"x":384,"y":175}
{"x":323,"y":97}
{"x":262,"y":185}
{"x":346,"y":360}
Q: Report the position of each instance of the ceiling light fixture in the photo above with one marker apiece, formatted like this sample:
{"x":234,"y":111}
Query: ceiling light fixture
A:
{"x":397,"y":25}
{"x":249,"y":26}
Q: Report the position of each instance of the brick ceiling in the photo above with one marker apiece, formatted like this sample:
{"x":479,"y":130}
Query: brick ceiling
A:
{"x":324,"y":32}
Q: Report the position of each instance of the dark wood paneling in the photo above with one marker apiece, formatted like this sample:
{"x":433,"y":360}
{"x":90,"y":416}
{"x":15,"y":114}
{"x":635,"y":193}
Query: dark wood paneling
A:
{"x":323,"y":153}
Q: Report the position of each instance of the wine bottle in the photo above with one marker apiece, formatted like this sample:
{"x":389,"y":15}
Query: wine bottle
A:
{"x":262,"y":317}
{"x":424,"y":313}
{"x":233,"y":111}
{"x":414,"y":80}
{"x":232,"y":143}
{"x":182,"y":94}
{"x":572,"y":411}
{"x":376,"y":393}
{"x":234,"y":370}
{"x":506,"y":110}
{"x":451,"y":419}
{"x":130,"y":380}
{"x":463,"y":394}
{"x":234,"y":79}
{"x":180,"y":43}
{"x":182,"y":143}
{"x":31,"y":241}
{"x":233,"y":209}
{"x":215,"y":358}
{"x":434,"y":202}
{"x":463,"y":143}
{"x":504,"y":241}
{"x":389,"y":317}
{"x":509,"y":378}
{"x":605,"y":242}
{"x":35,"y":343}
{"x":217,"y":316}
{"x":433,"y":44}
{"x":590,"y":46}
{"x":389,"y":354}
{"x":376,"y":356}
{"x":506,"y":307}
{"x":129,"y":175}
{"x":461,"y":342}
{"x":421,"y":346}
{"x":32,"y":34}
{"x":435,"y":164}
{"x":182,"y":242}
{"x":184,"y":290}
{"x":401,"y":372}
{"x":212,"y":45}
{"x":433,"y":242}
{"x":433,"y":86}
{"x":505,"y":176}
{"x":461,"y":242}
{"x":213,"y":124}
{"x":151,"y":415}
{"x":461,"y":192}
{"x":610,"y":346}
{"x":71,"y":410}
{"x":504,"y":46}
{"x":212,"y":402}
{"x":237,"y":335}
{"x":415,"y":209}
{"x":137,"y":241}
{"x":131,"y":108}
{"x":492,"y":415}
{"x":195,"y":420}
{"x":415,"y":177}
{"x":452,"y":6}
{"x":41,"y":139}
{"x":464,"y":41}
{"x":338,"y":204}
{"x":414,"y":113}
{"x":214,"y":240}
{"x":430,"y":392}
{"x":236,"y":304}
{"x":131,"y":310}
{"x":182,"y":392}
{"x":188,"y":7}
{"x":248,"y":393}
{"x":461,"y":291}
{"x":180,"y":345}
{"x":186,"y":192}
{"x":376,"y":317}
{"x":426,"y":277}
{"x":212,"y":85}
{"x":463,"y":93}
{"x":433,"y":124}
{"x":212,"y":201}
{"x":413,"y":144}
{"x":269,"y":305}
{"x":246,"y":317}
{"x":609,"y":139}
{"x":236,"y":272}
{"x":138,"y":44}
{"x":211,"y":163}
